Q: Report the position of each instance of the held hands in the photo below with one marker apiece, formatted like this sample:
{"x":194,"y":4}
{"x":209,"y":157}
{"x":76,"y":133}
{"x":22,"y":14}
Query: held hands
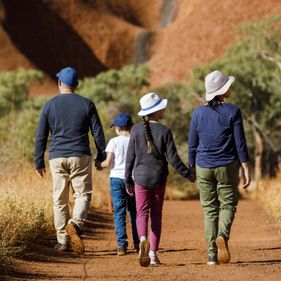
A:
{"x":192,"y":177}
{"x":41,"y":172}
{"x":130,"y":190}
{"x":98,"y":165}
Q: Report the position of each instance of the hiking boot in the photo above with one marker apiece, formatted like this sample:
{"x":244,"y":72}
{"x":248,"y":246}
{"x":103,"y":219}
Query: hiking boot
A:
{"x":212,"y":260}
{"x":144,"y":259}
{"x":136,"y":247}
{"x":61,"y":247}
{"x":223,"y":251}
{"x":121,"y":251}
{"x":154,"y":260}
{"x":76,"y":242}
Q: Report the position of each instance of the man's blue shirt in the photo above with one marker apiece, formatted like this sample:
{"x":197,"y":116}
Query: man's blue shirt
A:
{"x":68,"y":117}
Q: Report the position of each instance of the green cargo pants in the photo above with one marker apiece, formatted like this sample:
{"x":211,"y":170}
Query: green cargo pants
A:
{"x":219,"y":197}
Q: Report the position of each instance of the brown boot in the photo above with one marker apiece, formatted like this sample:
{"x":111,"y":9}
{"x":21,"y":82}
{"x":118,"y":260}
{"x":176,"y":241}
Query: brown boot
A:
{"x":76,"y":242}
{"x":223,"y":251}
{"x":144,"y":258}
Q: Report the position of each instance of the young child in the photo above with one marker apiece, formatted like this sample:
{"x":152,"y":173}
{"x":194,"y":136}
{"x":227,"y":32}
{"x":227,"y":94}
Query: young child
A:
{"x":116,"y":157}
{"x":150,"y":148}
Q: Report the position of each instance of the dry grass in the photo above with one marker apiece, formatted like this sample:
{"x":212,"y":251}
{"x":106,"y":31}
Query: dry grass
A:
{"x":270,"y":196}
{"x":26,"y":205}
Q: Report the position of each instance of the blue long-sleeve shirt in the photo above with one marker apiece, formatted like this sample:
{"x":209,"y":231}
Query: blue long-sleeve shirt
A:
{"x":68,"y":117}
{"x":216,"y":136}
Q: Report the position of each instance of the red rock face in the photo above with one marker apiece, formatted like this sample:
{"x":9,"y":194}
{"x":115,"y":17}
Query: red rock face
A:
{"x":171,"y":36}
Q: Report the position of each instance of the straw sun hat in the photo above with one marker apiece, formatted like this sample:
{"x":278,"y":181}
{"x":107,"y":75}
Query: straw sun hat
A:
{"x":151,"y":103}
{"x":217,"y":84}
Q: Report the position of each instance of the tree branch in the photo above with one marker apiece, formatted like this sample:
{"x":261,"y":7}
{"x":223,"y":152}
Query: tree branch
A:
{"x":263,"y":55}
{"x":263,"y":134}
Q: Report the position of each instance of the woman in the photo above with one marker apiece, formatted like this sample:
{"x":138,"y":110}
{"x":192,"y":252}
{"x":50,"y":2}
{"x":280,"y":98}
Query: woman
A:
{"x":217,"y":146}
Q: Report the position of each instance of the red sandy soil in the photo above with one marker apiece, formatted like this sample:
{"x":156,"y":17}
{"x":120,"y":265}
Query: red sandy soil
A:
{"x":97,"y":35}
{"x":255,"y":247}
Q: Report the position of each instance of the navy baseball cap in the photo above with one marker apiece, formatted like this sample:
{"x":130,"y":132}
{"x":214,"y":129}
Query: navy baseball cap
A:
{"x":68,"y":76}
{"x":122,"y":120}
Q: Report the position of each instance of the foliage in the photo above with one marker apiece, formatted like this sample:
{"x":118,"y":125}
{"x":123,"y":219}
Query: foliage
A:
{"x":118,"y":87}
{"x":14,"y":86}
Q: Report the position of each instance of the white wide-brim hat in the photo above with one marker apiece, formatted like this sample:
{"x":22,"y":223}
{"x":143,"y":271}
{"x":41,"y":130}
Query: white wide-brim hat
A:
{"x":151,"y":103}
{"x":217,"y":84}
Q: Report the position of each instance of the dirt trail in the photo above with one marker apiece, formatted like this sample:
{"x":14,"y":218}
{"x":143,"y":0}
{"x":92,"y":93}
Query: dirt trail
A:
{"x":255,"y":247}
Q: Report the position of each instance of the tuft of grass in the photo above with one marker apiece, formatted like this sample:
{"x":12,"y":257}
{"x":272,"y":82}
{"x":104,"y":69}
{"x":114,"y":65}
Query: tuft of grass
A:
{"x":270,"y":196}
{"x":25,"y":209}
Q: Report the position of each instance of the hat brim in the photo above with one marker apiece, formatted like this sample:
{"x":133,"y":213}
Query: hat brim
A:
{"x":60,"y":79}
{"x":222,"y":90}
{"x":160,"y":106}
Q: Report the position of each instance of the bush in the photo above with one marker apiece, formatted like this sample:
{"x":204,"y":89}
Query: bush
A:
{"x":14,"y":86}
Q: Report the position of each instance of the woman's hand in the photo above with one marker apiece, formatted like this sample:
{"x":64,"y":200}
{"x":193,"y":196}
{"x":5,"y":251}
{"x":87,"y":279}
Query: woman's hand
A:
{"x":192,"y":178}
{"x":246,"y":174}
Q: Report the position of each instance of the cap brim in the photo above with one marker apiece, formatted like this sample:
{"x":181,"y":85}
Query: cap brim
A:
{"x":221,"y":91}
{"x":160,"y":106}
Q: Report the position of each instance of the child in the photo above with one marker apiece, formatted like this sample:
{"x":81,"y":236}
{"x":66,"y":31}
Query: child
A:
{"x":151,"y":145}
{"x":116,"y":157}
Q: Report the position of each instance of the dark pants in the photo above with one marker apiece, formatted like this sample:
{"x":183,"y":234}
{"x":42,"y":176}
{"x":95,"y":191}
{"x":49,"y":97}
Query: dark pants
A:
{"x":121,"y":201}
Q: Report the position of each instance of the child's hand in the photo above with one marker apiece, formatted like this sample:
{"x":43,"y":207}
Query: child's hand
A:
{"x":130,"y":190}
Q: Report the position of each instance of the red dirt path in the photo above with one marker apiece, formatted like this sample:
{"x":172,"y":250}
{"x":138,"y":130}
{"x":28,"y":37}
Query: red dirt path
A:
{"x":255,"y":247}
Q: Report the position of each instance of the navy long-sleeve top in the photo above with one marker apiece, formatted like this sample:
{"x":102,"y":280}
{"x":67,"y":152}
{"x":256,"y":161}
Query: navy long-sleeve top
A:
{"x":68,"y":117}
{"x":216,"y":136}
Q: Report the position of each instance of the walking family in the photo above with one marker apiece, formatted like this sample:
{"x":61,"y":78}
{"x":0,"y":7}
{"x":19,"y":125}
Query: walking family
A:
{"x":139,"y":157}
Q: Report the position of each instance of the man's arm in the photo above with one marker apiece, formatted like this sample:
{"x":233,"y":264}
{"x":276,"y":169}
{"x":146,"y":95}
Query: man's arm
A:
{"x":97,"y":133}
{"x":41,"y":143}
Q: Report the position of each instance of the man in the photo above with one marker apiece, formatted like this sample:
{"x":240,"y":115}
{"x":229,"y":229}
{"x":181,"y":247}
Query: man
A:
{"x":68,"y":116}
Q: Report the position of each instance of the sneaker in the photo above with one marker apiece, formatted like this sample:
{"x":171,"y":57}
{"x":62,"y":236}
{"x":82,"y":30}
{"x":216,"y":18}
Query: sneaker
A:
{"x":121,"y":251}
{"x":61,"y":247}
{"x":223,"y":251}
{"x":154,"y":260}
{"x":76,"y":242}
{"x":212,"y":260}
{"x":144,"y":259}
{"x":136,"y":247}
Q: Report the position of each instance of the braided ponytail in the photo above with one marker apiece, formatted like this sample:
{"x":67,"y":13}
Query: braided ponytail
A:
{"x":148,"y":137}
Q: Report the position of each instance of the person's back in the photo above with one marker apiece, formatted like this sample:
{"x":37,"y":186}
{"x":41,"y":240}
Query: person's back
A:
{"x":218,"y":131}
{"x":151,"y":169}
{"x":119,"y":146}
{"x":69,"y":117}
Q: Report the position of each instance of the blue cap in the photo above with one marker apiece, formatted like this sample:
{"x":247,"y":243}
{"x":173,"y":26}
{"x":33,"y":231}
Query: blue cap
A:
{"x":122,"y":120}
{"x":68,"y":76}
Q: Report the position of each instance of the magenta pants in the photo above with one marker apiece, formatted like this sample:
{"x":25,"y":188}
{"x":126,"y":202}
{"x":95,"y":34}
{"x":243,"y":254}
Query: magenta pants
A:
{"x":150,"y":199}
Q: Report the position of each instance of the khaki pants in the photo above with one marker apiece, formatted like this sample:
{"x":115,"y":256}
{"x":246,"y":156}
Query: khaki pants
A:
{"x":75,"y":174}
{"x":219,"y":198}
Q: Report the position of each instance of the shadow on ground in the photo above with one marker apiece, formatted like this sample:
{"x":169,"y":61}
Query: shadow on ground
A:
{"x":42,"y":250}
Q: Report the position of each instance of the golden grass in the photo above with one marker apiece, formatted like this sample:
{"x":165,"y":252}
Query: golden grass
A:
{"x":270,"y":196}
{"x":26,"y":209}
